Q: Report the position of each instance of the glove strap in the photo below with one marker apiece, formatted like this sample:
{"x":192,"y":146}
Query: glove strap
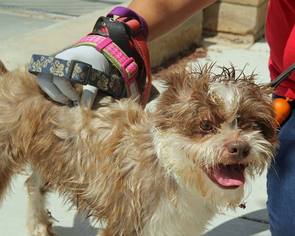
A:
{"x":129,"y":31}
{"x":126,"y":65}
{"x":138,"y":35}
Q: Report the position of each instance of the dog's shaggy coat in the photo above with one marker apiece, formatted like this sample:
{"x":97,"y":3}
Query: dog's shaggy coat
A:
{"x":151,"y":174}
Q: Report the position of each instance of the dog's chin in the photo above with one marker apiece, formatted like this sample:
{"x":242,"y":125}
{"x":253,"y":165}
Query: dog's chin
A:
{"x":230,"y":176}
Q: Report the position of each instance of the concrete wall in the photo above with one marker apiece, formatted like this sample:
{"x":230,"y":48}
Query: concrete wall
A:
{"x":240,"y":21}
{"x":17,"y":51}
{"x":190,"y":32}
{"x":236,"y":20}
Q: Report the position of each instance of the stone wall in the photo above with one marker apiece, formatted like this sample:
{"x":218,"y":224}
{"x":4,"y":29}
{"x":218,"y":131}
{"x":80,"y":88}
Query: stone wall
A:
{"x":234,"y":21}
{"x":176,"y":41}
{"x":240,"y":21}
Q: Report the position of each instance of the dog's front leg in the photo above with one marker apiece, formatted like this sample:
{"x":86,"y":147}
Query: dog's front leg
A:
{"x":38,"y":222}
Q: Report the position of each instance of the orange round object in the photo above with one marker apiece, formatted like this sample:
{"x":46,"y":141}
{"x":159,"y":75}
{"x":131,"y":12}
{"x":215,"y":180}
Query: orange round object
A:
{"x":282,"y":109}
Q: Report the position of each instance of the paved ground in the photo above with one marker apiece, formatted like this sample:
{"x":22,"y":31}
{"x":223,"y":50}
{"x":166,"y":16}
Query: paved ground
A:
{"x":59,"y":7}
{"x":17,"y":16}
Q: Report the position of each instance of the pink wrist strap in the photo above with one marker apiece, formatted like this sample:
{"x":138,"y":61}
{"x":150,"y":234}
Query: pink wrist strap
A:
{"x":126,"y":65}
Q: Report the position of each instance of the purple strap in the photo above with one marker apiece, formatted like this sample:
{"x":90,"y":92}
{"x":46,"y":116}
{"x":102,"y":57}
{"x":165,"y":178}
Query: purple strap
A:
{"x":126,"y":12}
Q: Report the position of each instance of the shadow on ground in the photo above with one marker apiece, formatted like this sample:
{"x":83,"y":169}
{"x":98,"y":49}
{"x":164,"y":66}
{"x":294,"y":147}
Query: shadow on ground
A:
{"x":81,"y":226}
{"x":246,"y":225}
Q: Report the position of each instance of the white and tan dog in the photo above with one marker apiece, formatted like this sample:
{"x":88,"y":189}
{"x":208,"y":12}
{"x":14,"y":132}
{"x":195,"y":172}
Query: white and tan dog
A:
{"x":164,"y":173}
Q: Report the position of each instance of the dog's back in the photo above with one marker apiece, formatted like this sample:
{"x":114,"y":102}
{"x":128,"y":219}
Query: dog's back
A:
{"x":23,"y":113}
{"x":93,"y":158}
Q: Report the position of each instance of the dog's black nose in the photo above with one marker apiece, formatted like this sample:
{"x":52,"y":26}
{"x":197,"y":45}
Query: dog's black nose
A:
{"x":238,"y":149}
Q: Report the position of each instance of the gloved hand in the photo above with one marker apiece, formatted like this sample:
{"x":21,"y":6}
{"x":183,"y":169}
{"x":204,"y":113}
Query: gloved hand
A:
{"x":122,"y":43}
{"x":61,"y":90}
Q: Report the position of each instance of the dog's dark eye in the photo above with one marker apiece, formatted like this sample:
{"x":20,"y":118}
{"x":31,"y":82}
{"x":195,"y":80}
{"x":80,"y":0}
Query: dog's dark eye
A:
{"x":267,"y":132}
{"x":255,"y":125}
{"x":251,"y":126}
{"x":206,"y":126}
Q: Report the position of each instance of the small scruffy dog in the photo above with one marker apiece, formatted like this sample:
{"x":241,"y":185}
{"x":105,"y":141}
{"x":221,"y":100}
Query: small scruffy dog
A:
{"x":160,"y":173}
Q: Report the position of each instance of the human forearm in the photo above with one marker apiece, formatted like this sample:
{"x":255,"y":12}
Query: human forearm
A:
{"x":163,"y":15}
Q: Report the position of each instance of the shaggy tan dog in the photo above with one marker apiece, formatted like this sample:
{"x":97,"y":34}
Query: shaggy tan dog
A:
{"x":164,"y":173}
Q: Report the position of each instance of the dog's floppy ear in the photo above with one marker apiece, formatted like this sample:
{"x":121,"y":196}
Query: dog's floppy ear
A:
{"x":3,"y":69}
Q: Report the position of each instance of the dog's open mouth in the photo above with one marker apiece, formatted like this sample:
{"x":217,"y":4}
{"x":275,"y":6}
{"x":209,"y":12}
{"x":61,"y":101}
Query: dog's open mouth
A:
{"x":227,"y":176}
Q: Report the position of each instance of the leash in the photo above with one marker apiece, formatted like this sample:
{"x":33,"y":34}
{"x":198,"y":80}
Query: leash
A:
{"x":282,"y":106}
{"x":77,"y":72}
{"x":80,"y":72}
{"x":275,"y":83}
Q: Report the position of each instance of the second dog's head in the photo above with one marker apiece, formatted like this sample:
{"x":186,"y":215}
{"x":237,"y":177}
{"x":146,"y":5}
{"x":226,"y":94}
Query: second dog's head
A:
{"x":214,"y":131}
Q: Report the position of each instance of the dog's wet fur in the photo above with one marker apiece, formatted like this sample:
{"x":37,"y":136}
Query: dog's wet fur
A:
{"x":163,"y":173}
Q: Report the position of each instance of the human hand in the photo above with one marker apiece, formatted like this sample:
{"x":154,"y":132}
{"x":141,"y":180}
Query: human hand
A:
{"x":108,"y":59}
{"x":61,"y":90}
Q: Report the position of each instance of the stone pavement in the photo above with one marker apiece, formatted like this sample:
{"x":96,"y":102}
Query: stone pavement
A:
{"x":17,"y":16}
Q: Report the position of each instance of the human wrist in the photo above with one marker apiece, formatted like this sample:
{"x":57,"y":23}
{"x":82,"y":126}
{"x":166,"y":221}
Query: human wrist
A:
{"x":125,"y":14}
{"x":129,"y":32}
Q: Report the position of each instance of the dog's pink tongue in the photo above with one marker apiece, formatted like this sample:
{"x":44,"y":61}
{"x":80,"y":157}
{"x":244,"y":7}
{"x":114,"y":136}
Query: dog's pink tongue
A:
{"x":229,"y":175}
